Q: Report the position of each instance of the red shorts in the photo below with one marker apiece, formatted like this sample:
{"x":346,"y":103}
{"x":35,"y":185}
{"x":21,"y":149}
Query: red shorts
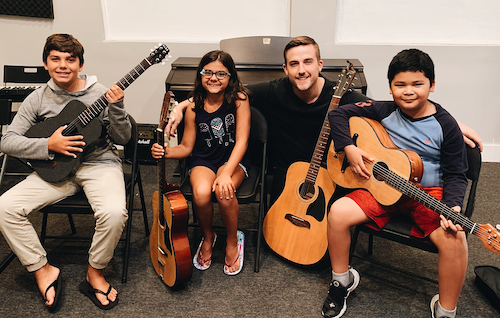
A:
{"x":425,"y":220}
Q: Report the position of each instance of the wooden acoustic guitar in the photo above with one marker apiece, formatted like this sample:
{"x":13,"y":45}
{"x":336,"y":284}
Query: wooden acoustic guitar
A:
{"x":168,"y":241}
{"x":80,"y":121}
{"x":394,"y":172}
{"x":295,"y":225}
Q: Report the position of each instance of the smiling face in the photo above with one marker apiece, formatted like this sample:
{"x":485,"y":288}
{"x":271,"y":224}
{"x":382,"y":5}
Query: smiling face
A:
{"x":410,"y":91}
{"x":214,"y":85}
{"x":303,"y":68}
{"x":63,"y":68}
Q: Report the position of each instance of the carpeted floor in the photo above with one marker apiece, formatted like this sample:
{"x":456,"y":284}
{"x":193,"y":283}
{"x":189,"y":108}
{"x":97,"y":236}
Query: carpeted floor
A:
{"x":280,"y":289}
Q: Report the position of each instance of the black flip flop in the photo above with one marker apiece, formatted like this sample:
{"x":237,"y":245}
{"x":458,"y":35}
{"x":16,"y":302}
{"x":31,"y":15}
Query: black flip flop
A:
{"x":90,"y":291}
{"x":57,"y":284}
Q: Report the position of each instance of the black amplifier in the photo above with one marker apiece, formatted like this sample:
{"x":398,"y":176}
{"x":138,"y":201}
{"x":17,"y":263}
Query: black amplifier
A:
{"x":147,"y":137}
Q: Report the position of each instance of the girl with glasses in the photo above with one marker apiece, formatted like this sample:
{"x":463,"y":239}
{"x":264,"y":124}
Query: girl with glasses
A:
{"x":217,"y":127}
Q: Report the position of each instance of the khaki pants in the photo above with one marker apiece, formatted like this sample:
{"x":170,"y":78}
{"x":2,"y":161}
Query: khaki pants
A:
{"x":104,"y":187}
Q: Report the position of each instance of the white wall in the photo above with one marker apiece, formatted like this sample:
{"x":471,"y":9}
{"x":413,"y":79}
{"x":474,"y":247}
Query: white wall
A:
{"x":467,"y":77}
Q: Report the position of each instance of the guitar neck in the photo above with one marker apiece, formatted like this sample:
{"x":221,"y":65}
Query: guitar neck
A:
{"x":321,"y":144}
{"x":424,"y":198}
{"x":98,"y":106}
{"x":161,"y":163}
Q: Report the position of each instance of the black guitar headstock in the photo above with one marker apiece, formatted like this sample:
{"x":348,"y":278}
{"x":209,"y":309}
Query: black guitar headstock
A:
{"x":158,"y":54}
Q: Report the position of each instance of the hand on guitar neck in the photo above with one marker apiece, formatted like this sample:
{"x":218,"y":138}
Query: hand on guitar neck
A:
{"x":158,"y":153}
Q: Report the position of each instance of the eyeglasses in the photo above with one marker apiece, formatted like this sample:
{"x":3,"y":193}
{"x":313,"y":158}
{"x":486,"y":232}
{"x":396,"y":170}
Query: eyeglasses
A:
{"x":219,"y":74}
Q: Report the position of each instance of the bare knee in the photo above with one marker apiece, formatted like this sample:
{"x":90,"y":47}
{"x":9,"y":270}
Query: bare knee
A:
{"x":225,"y":203}
{"x":345,"y":213}
{"x":202,"y":195}
{"x":450,"y":242}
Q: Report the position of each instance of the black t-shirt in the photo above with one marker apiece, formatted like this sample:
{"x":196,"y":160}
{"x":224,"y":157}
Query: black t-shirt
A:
{"x":293,"y":125}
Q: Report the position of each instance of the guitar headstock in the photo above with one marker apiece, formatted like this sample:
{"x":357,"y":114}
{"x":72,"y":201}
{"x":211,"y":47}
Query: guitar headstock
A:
{"x":490,"y":237}
{"x":158,"y":54}
{"x":345,"y":80}
{"x":166,"y":107}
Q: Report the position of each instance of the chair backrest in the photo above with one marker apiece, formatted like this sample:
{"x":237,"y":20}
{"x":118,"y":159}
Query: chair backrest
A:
{"x":5,"y":112}
{"x":258,"y":136}
{"x":130,"y":149}
{"x":474,"y":160}
{"x":130,"y":155}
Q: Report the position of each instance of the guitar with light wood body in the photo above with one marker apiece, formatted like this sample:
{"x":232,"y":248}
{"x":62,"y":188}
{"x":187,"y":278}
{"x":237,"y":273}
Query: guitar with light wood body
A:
{"x":168,"y":241}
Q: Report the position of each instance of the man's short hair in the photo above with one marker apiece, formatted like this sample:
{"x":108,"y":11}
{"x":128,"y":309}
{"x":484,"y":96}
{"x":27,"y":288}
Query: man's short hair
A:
{"x":412,"y":60}
{"x":301,"y":40}
{"x":63,"y":43}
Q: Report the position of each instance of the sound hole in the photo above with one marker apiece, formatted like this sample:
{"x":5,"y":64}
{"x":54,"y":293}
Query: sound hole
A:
{"x":306,"y":190}
{"x":379,"y":170}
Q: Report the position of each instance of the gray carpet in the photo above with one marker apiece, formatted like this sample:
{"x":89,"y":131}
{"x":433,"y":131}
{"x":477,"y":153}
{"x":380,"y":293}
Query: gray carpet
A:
{"x":280,"y":289}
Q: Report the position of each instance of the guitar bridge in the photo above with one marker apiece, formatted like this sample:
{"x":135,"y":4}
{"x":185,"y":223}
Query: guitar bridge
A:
{"x":297,"y":221}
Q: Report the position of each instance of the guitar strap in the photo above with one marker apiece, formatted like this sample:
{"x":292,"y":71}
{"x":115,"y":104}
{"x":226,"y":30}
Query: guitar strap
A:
{"x":101,"y":142}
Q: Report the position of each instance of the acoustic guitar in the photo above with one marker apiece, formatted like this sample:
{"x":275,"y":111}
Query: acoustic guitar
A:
{"x":80,"y":121}
{"x":295,"y":225}
{"x":168,"y":241}
{"x":394,"y":172}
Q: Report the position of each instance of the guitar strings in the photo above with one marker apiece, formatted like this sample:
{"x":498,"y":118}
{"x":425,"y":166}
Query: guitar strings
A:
{"x":398,"y":182}
{"x":98,"y":106}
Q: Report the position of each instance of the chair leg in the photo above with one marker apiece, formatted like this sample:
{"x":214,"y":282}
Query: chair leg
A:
{"x":262,"y":208}
{"x":4,"y":167}
{"x":7,"y":261}
{"x":370,"y":244}
{"x":127,"y":243}
{"x":354,"y":240}
{"x":143,"y":204}
{"x":44,"y":228}
{"x":71,"y":224}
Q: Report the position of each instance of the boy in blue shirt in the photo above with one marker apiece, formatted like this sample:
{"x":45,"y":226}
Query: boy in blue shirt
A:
{"x":415,"y":123}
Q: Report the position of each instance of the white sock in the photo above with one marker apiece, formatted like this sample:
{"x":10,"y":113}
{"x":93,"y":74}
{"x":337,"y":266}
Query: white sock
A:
{"x":444,"y":313}
{"x":343,"y":278}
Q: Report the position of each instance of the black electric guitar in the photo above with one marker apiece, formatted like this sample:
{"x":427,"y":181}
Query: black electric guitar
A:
{"x":295,"y":226}
{"x":79,"y":119}
{"x":391,"y":172}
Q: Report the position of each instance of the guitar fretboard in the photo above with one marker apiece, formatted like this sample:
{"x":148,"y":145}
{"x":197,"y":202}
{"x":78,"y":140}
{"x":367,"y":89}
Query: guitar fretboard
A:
{"x":343,"y":84}
{"x":98,"y":106}
{"x":419,"y":195}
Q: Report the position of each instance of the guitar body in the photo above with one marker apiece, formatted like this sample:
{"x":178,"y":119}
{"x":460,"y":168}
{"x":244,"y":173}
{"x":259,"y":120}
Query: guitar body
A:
{"x":295,"y":227}
{"x":370,"y":136}
{"x":62,"y":165}
{"x":168,"y":241}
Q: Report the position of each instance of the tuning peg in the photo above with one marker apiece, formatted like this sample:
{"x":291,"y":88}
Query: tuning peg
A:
{"x":498,"y":227}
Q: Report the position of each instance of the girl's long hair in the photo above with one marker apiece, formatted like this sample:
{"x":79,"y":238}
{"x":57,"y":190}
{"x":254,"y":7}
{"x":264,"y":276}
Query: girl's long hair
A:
{"x":233,"y":88}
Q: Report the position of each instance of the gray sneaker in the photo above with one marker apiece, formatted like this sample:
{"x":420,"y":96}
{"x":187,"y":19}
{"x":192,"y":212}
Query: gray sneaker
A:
{"x":434,"y":304}
{"x":335,"y":303}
